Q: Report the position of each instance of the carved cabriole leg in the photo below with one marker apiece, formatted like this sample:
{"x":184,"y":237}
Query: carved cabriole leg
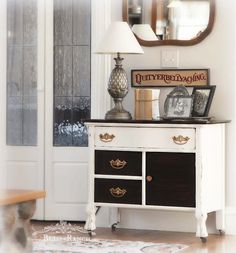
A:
{"x":201,"y":224}
{"x":90,"y":224}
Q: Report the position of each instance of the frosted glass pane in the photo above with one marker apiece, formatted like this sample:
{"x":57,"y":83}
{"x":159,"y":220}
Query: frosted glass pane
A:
{"x":81,"y":71}
{"x":30,"y":120}
{"x":30,"y":71}
{"x":14,"y":71}
{"x":81,"y":22}
{"x":72,"y":67}
{"x":81,"y":111}
{"x":15,"y":21}
{"x":63,"y":121}
{"x":80,"y":135}
{"x":30,"y":22}
{"x":81,"y":108}
{"x":22,"y":72}
{"x":14,"y":121}
{"x":63,"y":22}
{"x":63,"y":71}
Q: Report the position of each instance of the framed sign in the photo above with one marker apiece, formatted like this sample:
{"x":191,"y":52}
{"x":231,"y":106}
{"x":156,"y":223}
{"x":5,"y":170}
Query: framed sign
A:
{"x":169,"y":77}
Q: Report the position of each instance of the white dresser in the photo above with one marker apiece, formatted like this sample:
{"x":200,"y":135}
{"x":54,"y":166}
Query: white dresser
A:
{"x":158,"y":165}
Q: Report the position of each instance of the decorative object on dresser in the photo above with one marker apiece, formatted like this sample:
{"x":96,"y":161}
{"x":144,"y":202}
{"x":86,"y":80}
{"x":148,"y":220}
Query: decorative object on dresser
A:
{"x":178,"y":103}
{"x":179,"y":106}
{"x":169,"y":77}
{"x":158,"y":165}
{"x":118,"y":39}
{"x":202,"y":100}
{"x":147,"y":104}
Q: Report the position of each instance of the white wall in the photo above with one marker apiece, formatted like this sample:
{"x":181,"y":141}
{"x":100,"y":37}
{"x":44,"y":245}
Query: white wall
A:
{"x":218,"y":53}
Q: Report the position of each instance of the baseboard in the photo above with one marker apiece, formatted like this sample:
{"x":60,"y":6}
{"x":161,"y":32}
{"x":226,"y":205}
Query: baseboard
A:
{"x":158,"y":220}
{"x":230,"y":220}
{"x":167,"y":220}
{"x":164,"y":220}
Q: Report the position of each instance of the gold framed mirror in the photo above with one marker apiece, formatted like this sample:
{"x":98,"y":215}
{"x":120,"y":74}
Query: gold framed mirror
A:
{"x":169,"y":22}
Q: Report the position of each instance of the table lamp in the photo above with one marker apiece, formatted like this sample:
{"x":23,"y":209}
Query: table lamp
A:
{"x":118,"y":39}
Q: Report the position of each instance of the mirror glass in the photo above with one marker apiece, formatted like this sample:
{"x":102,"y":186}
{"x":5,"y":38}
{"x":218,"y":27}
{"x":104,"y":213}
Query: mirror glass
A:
{"x":169,"y":20}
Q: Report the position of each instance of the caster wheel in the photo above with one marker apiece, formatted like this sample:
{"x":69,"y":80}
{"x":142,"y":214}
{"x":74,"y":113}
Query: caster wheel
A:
{"x":203,"y":239}
{"x":91,"y":234}
{"x":113,"y":227}
{"x":222,"y":232}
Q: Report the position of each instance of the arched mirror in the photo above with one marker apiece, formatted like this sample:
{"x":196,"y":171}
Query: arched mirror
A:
{"x":169,"y":22}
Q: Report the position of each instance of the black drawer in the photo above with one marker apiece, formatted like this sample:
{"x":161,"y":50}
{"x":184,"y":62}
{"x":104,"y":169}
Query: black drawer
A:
{"x":118,"y":163}
{"x":118,"y":191}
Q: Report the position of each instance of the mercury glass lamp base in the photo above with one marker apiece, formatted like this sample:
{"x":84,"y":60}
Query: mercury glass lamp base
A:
{"x":118,"y":115}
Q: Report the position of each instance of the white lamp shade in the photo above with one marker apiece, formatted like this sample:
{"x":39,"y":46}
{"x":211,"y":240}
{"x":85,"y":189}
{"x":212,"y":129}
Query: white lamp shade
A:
{"x":174,"y":4}
{"x":144,"y":32}
{"x":119,"y":39}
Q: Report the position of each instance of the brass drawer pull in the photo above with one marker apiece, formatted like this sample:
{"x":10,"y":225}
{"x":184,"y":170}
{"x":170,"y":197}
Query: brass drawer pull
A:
{"x":118,"y":164}
{"x":180,"y":140}
{"x":106,"y":137}
{"x":117,"y":192}
{"x":149,"y":178}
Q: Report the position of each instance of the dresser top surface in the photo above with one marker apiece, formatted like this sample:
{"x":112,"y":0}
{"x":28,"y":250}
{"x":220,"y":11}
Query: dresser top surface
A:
{"x":188,"y":121}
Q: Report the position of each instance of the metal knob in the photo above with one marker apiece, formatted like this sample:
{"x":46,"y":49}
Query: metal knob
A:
{"x":149,"y":178}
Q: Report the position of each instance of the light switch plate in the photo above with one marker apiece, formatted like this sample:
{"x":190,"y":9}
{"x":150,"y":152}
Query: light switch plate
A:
{"x":170,"y":58}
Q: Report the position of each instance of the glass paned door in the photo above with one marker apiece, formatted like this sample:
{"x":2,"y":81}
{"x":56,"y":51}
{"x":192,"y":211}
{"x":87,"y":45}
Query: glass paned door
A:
{"x":72,"y":99}
{"x":22,"y":72}
{"x":23,"y":26}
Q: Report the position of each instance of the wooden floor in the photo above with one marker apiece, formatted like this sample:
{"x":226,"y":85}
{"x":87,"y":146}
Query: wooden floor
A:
{"x":214,"y":244}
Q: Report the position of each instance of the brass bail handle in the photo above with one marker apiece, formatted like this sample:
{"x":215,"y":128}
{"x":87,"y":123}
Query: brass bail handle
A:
{"x":118,"y":164}
{"x":106,"y":137}
{"x":117,"y":192}
{"x":180,"y":140}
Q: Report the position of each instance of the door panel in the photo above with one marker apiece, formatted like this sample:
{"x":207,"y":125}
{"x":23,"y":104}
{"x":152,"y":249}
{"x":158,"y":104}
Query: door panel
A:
{"x":173,"y":179}
{"x":66,"y":183}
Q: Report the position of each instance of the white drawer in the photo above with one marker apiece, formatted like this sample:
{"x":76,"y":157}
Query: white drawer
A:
{"x":164,"y":138}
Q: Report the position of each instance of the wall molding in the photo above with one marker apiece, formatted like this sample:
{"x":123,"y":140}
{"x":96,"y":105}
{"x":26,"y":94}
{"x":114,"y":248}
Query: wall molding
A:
{"x":230,"y":220}
{"x":169,"y":220}
{"x":100,"y":64}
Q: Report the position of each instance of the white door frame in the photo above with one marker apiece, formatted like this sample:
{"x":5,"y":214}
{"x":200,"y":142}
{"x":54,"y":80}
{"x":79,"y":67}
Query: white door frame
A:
{"x":3,"y":57}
